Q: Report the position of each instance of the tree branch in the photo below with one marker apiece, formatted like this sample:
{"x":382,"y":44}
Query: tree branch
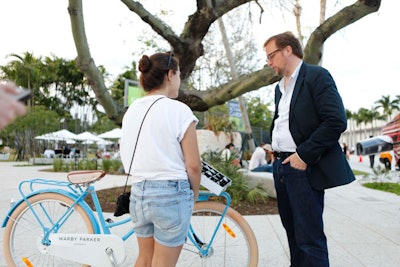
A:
{"x":343,"y":18}
{"x":203,"y":100}
{"x":86,"y":63}
{"x":188,"y":48}
{"x":159,"y":26}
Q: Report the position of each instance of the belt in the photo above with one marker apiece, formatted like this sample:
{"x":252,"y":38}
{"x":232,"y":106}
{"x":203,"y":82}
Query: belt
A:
{"x":282,"y":155}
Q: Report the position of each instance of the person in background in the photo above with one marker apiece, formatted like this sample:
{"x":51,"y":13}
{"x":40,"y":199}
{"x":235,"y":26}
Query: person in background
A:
{"x":308,"y":121}
{"x":166,"y":166}
{"x":65,"y":150}
{"x":10,"y":107}
{"x":116,"y":155}
{"x":259,"y":159}
{"x":226,"y":154}
{"x":99,"y":154}
{"x":371,"y":157}
{"x":74,"y":152}
{"x":49,"y":153}
{"x":346,"y":151}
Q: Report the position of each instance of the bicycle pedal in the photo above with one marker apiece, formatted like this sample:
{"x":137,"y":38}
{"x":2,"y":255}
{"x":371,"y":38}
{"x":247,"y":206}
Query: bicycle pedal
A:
{"x":110,"y":254}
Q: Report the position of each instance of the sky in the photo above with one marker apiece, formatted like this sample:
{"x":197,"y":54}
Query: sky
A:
{"x":363,"y":58}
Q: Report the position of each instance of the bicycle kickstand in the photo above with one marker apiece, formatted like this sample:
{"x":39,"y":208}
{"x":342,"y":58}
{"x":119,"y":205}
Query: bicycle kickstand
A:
{"x":110,"y":254}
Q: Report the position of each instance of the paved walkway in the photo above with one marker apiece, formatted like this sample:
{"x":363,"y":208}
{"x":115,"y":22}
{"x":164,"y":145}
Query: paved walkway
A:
{"x":362,"y":225}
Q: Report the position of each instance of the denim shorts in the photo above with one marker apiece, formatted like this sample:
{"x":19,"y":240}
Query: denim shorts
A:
{"x":162,"y":209}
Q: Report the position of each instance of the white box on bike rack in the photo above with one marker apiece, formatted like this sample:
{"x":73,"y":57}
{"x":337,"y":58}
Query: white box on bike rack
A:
{"x":213,"y":180}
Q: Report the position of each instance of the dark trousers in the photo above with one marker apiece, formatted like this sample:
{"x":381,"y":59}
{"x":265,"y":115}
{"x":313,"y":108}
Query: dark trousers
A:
{"x":300,"y":208}
{"x":263,"y":168}
{"x":371,"y":161}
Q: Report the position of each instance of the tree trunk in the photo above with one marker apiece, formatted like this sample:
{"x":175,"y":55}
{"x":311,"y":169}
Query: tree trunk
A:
{"x":234,"y":76}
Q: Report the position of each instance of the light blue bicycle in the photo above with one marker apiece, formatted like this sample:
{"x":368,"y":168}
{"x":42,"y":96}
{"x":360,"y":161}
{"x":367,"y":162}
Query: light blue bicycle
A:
{"x":52,"y":225}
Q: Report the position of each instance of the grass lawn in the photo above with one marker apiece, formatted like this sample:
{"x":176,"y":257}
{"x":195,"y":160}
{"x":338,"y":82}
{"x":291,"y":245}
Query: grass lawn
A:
{"x":387,"y":187}
{"x":383,"y":186}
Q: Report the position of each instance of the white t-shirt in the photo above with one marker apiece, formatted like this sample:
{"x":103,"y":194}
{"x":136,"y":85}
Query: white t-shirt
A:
{"x":257,"y":158}
{"x":226,"y":154}
{"x":158,"y":155}
{"x":49,"y":153}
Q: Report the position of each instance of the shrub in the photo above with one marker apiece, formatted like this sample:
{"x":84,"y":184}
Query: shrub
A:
{"x":57,"y":165}
{"x":91,"y":164}
{"x":67,"y":165}
{"x":239,"y":190}
{"x":257,"y":195}
{"x":81,"y":164}
{"x":106,"y":165}
{"x":379,"y":174}
{"x":116,"y":165}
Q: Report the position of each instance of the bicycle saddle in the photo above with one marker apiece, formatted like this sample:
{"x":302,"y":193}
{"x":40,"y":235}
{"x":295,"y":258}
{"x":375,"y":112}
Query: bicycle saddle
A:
{"x":83,"y":177}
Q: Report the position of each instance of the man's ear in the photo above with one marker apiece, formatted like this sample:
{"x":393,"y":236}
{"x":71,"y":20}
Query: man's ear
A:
{"x":287,"y":50}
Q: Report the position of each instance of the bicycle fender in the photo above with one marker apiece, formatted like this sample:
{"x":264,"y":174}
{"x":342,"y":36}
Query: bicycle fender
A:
{"x":83,"y":204}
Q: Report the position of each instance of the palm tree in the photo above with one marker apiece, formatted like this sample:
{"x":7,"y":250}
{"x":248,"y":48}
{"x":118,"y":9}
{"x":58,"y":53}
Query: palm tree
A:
{"x":376,"y":116}
{"x":398,"y":98}
{"x":363,"y":116}
{"x":387,"y":105}
{"x":25,"y":70}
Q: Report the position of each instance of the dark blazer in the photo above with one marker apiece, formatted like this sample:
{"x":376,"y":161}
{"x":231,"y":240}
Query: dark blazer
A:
{"x":316,"y":120}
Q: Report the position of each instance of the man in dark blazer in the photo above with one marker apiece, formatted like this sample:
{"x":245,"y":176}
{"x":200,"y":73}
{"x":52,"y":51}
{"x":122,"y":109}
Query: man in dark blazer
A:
{"x":309,"y":119}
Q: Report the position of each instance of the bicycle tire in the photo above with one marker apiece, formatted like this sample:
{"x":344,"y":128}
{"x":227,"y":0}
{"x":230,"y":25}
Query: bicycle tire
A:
{"x":240,"y":251}
{"x":23,"y":233}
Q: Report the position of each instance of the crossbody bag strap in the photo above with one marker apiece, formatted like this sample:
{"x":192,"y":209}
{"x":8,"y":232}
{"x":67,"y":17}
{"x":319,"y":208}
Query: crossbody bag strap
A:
{"x":137,"y":139}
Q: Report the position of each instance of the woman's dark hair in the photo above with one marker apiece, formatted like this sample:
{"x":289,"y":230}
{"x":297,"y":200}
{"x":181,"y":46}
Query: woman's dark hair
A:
{"x":287,"y":39}
{"x":154,"y":68}
{"x":229,"y":145}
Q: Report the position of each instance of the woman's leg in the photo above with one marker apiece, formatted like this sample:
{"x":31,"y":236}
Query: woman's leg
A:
{"x":165,"y":256}
{"x":146,"y":252}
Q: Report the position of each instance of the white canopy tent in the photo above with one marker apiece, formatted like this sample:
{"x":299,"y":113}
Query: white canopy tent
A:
{"x":89,"y":138}
{"x":61,"y":135}
{"x":113,"y":134}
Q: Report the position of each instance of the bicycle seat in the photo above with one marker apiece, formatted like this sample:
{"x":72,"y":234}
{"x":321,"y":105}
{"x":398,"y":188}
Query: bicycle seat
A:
{"x":83,"y":177}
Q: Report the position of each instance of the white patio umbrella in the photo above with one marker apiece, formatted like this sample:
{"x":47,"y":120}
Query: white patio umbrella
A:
{"x":89,"y":137}
{"x":61,"y":135}
{"x":113,"y":134}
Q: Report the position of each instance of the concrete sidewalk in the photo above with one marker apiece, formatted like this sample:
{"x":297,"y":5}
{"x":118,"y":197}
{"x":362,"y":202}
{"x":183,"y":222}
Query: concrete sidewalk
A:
{"x":362,"y":225}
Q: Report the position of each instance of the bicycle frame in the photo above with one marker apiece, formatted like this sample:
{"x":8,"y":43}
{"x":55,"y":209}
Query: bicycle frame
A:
{"x":76,"y":192}
{"x":101,"y":225}
{"x":199,"y":244}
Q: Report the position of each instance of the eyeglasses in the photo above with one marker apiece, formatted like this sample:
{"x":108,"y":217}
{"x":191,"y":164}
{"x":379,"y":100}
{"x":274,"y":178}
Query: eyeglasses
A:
{"x":171,"y":55}
{"x":272,"y":54}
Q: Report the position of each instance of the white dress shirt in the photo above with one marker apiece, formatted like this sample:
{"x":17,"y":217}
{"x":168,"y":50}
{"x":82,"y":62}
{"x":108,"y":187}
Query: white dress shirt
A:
{"x":282,"y":139}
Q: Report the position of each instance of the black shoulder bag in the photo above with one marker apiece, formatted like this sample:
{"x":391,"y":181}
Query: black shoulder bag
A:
{"x":123,"y":199}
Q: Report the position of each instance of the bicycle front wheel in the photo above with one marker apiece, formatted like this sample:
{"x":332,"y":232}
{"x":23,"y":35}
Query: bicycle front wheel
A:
{"x":234,"y":243}
{"x":23,"y":233}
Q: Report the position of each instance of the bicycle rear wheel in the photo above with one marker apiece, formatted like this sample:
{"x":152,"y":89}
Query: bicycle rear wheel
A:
{"x":234,"y":243}
{"x":23,"y":233}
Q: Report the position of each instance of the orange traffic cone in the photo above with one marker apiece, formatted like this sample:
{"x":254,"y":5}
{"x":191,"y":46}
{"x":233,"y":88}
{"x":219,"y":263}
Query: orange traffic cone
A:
{"x":360,"y":159}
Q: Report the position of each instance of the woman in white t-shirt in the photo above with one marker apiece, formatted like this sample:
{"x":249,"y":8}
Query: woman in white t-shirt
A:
{"x":227,"y":153}
{"x":166,"y":165}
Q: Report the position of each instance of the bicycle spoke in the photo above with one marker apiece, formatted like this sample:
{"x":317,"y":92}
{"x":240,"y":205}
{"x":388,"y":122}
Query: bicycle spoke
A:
{"x":233,"y":245}
{"x":23,"y":235}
